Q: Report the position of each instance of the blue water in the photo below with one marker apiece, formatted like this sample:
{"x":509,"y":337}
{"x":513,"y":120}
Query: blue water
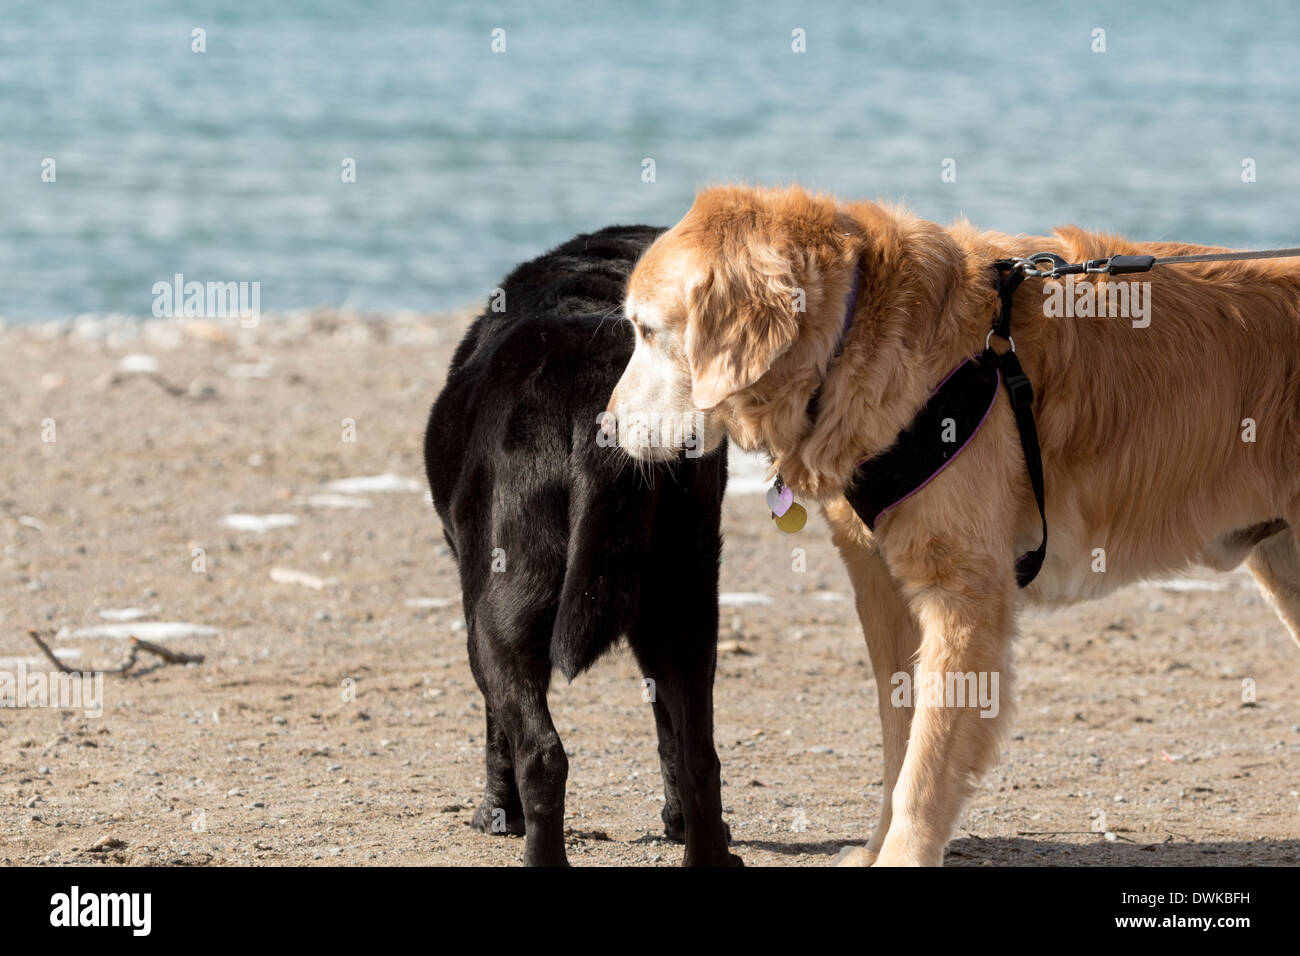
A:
{"x":225,"y":165}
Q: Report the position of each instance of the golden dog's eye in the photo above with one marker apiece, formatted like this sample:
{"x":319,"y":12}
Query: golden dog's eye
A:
{"x":648,"y":334}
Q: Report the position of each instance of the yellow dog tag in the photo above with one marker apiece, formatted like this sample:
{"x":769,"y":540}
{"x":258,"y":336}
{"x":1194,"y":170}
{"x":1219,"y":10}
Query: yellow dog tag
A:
{"x":793,"y":520}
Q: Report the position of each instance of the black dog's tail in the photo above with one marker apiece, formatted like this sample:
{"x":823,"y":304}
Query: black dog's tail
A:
{"x":611,"y":520}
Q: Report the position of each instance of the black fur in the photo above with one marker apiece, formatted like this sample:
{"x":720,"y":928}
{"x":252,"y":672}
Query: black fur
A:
{"x":588,"y":545}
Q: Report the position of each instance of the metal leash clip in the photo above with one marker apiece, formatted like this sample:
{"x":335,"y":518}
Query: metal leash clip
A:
{"x":1059,"y":267}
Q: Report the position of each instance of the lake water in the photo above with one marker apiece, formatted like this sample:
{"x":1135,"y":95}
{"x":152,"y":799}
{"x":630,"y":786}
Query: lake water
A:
{"x":227,"y":165}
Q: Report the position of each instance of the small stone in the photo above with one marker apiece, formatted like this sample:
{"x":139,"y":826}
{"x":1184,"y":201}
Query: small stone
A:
{"x":733,"y":647}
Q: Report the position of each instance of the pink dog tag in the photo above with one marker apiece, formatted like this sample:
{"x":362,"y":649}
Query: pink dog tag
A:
{"x":779,"y":499}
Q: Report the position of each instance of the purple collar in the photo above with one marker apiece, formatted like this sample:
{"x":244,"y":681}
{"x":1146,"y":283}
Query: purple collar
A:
{"x":814,"y":402}
{"x":849,"y":310}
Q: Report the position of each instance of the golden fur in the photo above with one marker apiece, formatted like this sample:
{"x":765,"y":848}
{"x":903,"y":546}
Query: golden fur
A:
{"x":1142,"y":429}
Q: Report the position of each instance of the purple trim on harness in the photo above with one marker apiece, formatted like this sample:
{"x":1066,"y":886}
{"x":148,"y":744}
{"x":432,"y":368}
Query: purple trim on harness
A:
{"x":885,"y":510}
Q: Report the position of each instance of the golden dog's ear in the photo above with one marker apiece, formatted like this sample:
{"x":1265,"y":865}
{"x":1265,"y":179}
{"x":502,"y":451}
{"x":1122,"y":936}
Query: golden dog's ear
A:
{"x":740,"y":320}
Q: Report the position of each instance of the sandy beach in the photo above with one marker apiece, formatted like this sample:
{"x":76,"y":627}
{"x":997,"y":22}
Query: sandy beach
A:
{"x":196,"y":473}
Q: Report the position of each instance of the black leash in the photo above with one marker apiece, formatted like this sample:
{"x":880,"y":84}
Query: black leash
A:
{"x":1127,"y":265}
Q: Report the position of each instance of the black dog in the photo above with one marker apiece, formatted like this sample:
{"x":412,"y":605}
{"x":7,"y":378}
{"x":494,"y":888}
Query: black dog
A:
{"x":563,"y":545}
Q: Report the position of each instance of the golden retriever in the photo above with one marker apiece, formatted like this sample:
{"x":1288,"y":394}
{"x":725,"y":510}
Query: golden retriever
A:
{"x":1169,"y":439}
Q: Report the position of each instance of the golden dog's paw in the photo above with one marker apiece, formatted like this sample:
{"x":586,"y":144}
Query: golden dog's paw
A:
{"x":893,"y":856}
{"x":855,"y":856}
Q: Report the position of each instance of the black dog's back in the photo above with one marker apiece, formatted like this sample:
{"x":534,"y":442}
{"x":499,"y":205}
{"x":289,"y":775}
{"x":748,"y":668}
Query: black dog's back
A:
{"x":581,"y":278}
{"x":542,"y":519}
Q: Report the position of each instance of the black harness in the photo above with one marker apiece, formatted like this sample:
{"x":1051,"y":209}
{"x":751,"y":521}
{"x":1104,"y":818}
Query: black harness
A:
{"x":949,"y":421}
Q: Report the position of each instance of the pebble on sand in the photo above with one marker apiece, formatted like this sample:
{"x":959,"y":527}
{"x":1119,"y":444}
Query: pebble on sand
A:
{"x":742,"y":598}
{"x":429,"y":603}
{"x":337,"y":501}
{"x":123,"y":613}
{"x":385,"y":482}
{"x":147,"y":630}
{"x":733,"y":647}
{"x":290,"y":576}
{"x":137,"y":362}
{"x":246,"y":522}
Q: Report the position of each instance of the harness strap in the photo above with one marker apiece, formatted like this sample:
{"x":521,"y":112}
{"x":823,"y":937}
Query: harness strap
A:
{"x":1007,"y":278}
{"x":941,"y":430}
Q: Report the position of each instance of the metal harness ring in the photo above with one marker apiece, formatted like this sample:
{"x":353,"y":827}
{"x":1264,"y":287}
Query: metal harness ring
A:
{"x":989,"y":338}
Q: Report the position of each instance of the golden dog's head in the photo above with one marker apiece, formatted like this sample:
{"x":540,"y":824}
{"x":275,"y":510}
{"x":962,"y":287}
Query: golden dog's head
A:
{"x":739,"y":303}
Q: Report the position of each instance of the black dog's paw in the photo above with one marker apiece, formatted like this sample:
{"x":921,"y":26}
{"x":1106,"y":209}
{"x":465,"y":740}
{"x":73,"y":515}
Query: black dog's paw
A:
{"x":725,"y":859}
{"x":674,"y":826}
{"x":497,"y":821}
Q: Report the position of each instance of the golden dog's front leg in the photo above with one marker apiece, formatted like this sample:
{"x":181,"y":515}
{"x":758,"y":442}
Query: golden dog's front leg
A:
{"x":961,"y":694}
{"x":892,"y":639}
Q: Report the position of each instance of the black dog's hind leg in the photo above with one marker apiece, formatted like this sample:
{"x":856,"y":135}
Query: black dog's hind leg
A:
{"x":683,"y":690}
{"x":674,"y":821}
{"x":515,"y":678}
{"x":501,"y":810}
{"x":541,"y":770}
